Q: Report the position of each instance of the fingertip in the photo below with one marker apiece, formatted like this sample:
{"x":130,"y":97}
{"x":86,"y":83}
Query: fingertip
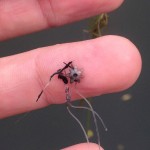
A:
{"x":130,"y":62}
{"x":84,"y":146}
{"x":125,"y":60}
{"x":114,"y":4}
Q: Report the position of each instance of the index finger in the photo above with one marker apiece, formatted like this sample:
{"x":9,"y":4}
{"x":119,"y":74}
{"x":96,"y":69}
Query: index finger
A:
{"x":110,"y":64}
{"x":23,"y":17}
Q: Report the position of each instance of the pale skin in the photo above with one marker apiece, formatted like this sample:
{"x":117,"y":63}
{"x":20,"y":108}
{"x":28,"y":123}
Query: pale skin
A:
{"x":110,"y":63}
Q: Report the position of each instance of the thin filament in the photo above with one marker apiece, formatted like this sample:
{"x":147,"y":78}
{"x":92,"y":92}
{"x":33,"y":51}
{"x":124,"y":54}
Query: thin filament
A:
{"x":68,"y":100}
{"x":94,"y":117}
{"x":43,"y":90}
{"x":78,"y":121}
{"x":87,"y":108}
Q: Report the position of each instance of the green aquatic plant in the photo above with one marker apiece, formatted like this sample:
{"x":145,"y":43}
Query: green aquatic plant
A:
{"x":97,"y":24}
{"x":95,"y":29}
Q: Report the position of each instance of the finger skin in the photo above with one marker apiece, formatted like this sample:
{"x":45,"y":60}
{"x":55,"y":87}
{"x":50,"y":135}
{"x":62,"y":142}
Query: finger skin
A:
{"x":84,"y":146}
{"x":18,"y":17}
{"x":109,"y":64}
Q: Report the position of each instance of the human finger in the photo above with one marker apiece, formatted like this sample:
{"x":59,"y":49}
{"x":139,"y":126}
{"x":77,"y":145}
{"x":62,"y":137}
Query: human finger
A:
{"x":109,"y":64}
{"x":84,"y":146}
{"x":23,"y":17}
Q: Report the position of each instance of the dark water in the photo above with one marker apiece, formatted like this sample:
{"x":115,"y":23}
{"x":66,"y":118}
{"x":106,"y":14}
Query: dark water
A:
{"x":128,"y":121}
